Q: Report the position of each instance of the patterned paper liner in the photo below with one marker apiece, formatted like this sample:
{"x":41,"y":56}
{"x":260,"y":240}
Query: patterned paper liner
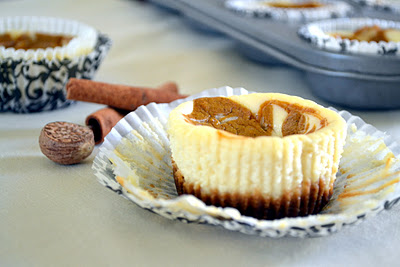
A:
{"x":317,"y":33}
{"x":256,"y":8}
{"x":134,"y":161}
{"x":380,"y":5}
{"x":34,"y":80}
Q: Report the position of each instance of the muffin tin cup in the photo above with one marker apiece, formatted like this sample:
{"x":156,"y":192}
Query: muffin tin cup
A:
{"x":259,"y":8}
{"x":135,"y":162}
{"x":167,"y":5}
{"x":258,"y":56}
{"x":365,"y":94}
{"x":318,"y":34}
{"x":375,"y":78}
{"x":200,"y":27}
{"x":34,"y":80}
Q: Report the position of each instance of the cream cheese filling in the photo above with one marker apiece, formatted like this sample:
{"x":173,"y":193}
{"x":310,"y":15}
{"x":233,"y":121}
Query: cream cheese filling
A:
{"x":220,"y":161}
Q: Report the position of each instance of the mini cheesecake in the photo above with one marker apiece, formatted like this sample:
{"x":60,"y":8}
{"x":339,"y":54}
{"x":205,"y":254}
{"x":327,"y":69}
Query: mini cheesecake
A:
{"x":30,"y":40}
{"x":287,"y":4}
{"x":370,"y":33}
{"x":354,"y":35}
{"x":268,"y":155}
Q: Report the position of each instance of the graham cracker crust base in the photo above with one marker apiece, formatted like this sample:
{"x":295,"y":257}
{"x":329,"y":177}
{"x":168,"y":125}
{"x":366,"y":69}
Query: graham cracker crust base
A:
{"x":309,"y":200}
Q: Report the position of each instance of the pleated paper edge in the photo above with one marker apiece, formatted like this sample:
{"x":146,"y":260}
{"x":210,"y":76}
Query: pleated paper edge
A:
{"x":229,"y":218}
{"x":315,"y":33}
{"x":336,"y":9}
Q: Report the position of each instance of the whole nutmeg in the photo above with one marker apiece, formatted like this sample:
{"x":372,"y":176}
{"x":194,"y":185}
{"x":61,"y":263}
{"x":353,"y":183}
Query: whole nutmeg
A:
{"x":65,"y":142}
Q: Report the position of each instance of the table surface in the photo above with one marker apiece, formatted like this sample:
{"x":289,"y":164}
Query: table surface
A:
{"x":60,"y":215}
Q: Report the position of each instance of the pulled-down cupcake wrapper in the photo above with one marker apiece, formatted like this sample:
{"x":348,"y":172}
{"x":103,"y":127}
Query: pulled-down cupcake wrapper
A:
{"x":318,"y":34}
{"x":259,"y":8}
{"x":135,"y":162}
{"x":34,"y":80}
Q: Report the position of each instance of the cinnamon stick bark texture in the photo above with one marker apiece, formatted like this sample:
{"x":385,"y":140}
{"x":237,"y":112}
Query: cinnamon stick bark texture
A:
{"x":102,"y":121}
{"x":120,"y":96}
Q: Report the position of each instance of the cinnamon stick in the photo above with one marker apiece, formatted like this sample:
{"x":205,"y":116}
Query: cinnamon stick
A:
{"x":102,"y":121}
{"x":120,"y":96}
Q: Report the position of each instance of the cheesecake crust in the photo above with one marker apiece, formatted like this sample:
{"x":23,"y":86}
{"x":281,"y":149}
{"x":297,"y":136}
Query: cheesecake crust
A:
{"x":310,"y":199}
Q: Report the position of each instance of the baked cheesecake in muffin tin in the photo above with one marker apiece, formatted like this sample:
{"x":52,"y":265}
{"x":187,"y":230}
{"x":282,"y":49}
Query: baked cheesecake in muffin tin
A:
{"x":291,"y":10}
{"x":354,"y":35}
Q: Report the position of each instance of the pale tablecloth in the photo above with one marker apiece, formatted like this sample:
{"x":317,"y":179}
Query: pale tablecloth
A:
{"x":54,"y":215}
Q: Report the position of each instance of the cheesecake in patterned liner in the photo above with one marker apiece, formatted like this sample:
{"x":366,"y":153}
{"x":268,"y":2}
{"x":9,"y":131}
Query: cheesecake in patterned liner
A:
{"x":292,"y":10}
{"x":33,"y":77}
{"x":354,"y":35}
{"x":135,"y":162}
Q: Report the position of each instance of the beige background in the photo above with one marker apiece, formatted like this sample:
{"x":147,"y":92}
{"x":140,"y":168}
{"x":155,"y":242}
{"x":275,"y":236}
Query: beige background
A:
{"x":53,"y":215}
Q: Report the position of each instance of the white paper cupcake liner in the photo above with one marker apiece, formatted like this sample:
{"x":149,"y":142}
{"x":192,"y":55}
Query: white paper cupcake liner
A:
{"x":317,"y":33}
{"x":380,"y":5}
{"x":256,"y":8}
{"x":34,"y":80}
{"x":136,"y":154}
{"x":83,"y":43}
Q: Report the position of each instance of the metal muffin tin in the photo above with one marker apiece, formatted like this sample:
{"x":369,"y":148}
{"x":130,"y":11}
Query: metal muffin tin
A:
{"x":349,"y":80}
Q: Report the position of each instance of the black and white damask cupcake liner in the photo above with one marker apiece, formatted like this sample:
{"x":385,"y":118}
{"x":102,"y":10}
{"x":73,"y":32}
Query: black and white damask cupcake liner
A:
{"x":34,"y":80}
{"x":318,"y":34}
{"x":380,"y":5}
{"x":259,"y":8}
